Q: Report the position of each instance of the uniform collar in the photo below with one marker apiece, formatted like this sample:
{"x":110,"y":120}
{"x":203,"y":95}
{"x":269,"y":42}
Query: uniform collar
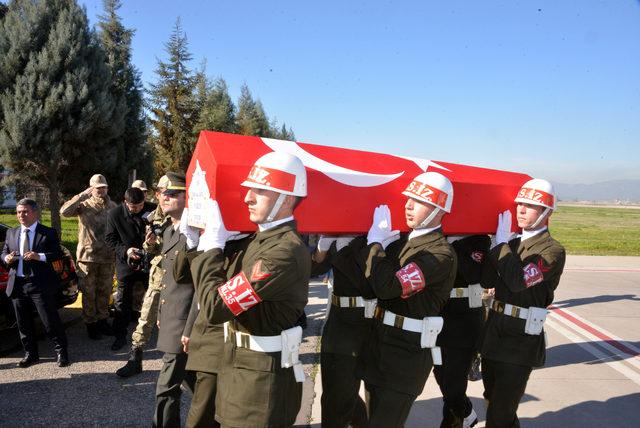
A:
{"x":429,"y":236}
{"x":530,"y":234}
{"x":270,"y":225}
{"x":419,"y":232}
{"x":277,"y":230}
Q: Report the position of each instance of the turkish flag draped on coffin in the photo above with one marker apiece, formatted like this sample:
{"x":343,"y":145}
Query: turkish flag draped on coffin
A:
{"x":344,"y":186}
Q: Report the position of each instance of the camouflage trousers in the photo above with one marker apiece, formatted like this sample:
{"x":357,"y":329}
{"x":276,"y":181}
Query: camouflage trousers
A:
{"x":149,"y":309}
{"x":95,"y":281}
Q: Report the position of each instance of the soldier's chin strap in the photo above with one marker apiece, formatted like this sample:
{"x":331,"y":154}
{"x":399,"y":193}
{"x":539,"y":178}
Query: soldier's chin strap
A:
{"x":427,"y":220}
{"x":540,"y":217}
{"x":276,"y":207}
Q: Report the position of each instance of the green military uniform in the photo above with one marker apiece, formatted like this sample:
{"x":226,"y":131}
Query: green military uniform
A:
{"x":207,"y":339}
{"x":149,"y":309}
{"x":95,"y":260}
{"x":345,"y":332}
{"x":461,"y":331}
{"x":525,"y":274}
{"x":176,"y":314}
{"x":395,"y":367}
{"x":253,"y":389}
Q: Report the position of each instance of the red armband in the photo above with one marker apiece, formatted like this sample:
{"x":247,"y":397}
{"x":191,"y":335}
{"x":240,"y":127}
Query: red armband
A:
{"x":238,"y":294}
{"x":411,"y":279}
{"x":532,"y":275}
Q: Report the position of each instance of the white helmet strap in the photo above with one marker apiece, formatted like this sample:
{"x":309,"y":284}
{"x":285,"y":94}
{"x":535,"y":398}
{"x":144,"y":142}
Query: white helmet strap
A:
{"x":276,"y":207}
{"x":427,"y":220}
{"x":540,"y":217}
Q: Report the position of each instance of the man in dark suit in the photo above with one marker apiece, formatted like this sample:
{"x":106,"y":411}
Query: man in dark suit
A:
{"x":124,"y":234}
{"x":177,"y":309}
{"x":28,"y":252}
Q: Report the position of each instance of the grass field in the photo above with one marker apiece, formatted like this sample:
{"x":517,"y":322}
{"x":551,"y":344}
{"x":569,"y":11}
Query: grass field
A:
{"x":601,"y":231}
{"x":69,"y":227}
{"x":583,"y":230}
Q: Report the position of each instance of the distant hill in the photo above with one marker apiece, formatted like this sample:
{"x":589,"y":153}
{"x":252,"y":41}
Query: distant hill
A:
{"x":616,"y":191}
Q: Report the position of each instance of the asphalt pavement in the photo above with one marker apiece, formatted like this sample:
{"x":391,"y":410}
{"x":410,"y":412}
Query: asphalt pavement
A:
{"x":592,"y":375}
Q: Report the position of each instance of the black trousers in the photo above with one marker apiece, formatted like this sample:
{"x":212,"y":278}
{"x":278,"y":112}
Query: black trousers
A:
{"x":203,"y":404}
{"x":387,"y":408}
{"x":168,"y":391}
{"x":24,"y":298}
{"x":341,"y":404}
{"x":504,"y":385}
{"x":123,"y":302}
{"x":452,"y":378}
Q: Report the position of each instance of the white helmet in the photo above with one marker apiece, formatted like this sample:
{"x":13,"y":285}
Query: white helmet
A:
{"x":537,"y":192}
{"x":280,"y":172}
{"x":432,"y":188}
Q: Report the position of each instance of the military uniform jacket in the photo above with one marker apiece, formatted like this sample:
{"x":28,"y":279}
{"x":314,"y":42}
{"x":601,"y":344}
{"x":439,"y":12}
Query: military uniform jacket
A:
{"x":206,"y":343}
{"x":463,"y":325}
{"x":395,"y":359}
{"x":525,"y":274}
{"x":178,"y":307}
{"x":92,"y":223}
{"x":155,"y":271}
{"x":345,"y":329}
{"x":253,"y":389}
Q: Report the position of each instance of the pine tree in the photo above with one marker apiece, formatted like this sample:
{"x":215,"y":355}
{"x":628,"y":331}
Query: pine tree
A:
{"x":217,"y":112}
{"x":251,"y":118}
{"x":3,"y":10}
{"x":57,"y":110}
{"x":173,"y":106}
{"x":131,"y":148}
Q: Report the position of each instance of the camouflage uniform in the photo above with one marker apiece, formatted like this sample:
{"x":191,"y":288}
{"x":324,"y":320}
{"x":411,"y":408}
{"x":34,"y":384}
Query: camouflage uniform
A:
{"x":149,"y":309}
{"x":95,"y":260}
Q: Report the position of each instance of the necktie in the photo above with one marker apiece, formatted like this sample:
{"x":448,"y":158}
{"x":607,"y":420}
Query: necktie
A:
{"x":25,"y":249}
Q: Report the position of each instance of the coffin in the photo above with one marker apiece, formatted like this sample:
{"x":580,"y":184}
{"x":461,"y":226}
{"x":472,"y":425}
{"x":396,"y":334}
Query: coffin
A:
{"x":344,"y":186}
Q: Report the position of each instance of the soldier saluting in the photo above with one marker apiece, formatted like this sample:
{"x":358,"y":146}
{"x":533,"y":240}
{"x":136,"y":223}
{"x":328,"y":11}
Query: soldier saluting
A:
{"x":526,"y":272}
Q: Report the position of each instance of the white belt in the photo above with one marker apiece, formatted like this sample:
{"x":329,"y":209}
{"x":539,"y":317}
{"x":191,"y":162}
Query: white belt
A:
{"x":405,"y":323}
{"x":255,"y":343}
{"x":428,"y":327}
{"x":457,"y":293}
{"x":369,"y":305}
{"x":291,"y":339}
{"x":259,"y":343}
{"x":510,"y":310}
{"x":348,"y":302}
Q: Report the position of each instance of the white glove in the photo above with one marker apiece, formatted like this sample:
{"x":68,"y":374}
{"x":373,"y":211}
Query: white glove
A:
{"x":191,"y":233}
{"x":215,"y":234}
{"x":343,"y":241}
{"x":324,"y":243}
{"x":380,"y":230}
{"x":503,"y":232}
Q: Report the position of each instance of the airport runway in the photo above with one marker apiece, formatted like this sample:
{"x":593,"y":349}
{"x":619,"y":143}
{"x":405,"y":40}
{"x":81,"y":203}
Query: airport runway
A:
{"x":592,"y":375}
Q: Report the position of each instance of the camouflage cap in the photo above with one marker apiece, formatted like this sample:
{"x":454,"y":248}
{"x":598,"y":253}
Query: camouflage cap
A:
{"x":140,"y":185}
{"x":98,"y":180}
{"x":176,"y":183}
{"x":163,"y":182}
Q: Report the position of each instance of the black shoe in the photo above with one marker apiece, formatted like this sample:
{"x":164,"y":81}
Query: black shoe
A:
{"x":134,"y":365}
{"x":29,"y":359}
{"x":104,"y":327}
{"x":93,"y":332}
{"x":118,"y":343}
{"x":63,"y":358}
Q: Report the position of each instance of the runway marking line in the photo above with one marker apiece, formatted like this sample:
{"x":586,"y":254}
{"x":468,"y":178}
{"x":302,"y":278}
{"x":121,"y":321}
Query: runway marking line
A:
{"x":596,"y":331}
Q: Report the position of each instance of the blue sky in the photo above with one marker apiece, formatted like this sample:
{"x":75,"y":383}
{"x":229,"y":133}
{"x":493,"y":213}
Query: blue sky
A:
{"x":548,"y":88}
